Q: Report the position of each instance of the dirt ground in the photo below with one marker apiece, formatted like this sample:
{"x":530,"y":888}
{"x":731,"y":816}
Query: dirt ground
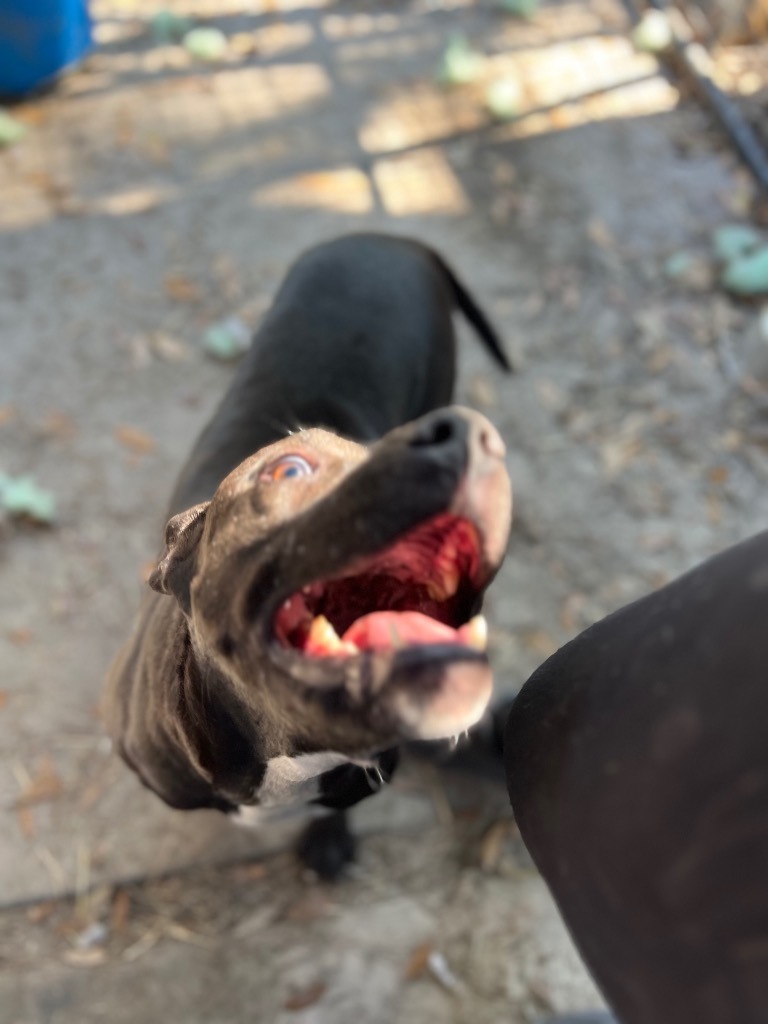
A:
{"x":153,"y":196}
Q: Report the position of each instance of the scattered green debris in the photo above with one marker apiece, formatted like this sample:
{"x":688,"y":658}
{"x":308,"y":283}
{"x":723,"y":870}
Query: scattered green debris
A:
{"x":228,"y":339}
{"x":503,"y":98}
{"x":653,"y":33}
{"x":747,"y":275}
{"x":11,"y":130}
{"x":208,"y":44}
{"x":461,"y":64}
{"x":21,"y":496}
{"x":166,"y":27}
{"x":731,"y":241}
{"x":519,"y":8}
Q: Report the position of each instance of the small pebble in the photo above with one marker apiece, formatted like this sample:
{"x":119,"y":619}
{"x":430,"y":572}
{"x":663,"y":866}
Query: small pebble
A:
{"x":653,"y":33}
{"x":503,"y":98}
{"x":11,"y":130}
{"x":228,"y":339}
{"x":748,"y":275}
{"x":732,"y":241}
{"x":461,"y":64}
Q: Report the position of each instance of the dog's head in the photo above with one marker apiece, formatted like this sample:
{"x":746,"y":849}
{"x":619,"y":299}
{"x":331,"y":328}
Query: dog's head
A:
{"x":336,"y":588}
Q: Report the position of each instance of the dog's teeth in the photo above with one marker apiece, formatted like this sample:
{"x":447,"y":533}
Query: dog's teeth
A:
{"x":324,"y":638}
{"x":475,"y":633}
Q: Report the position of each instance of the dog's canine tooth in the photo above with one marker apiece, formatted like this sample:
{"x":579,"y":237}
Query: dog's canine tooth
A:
{"x":322,"y":635}
{"x":475,"y":633}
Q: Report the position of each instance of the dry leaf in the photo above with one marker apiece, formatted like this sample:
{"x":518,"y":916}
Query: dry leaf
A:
{"x":309,"y":908}
{"x":181,"y":288}
{"x":616,"y":454}
{"x":120,"y":912}
{"x":3,"y":699}
{"x":44,"y":786}
{"x":570,"y":611}
{"x":492,"y":845}
{"x":40,"y":912}
{"x":85,"y":957}
{"x":418,"y":961}
{"x":33,"y":115}
{"x":249,"y":872}
{"x":539,"y":641}
{"x":482,"y":392}
{"x":135,"y":440}
{"x":600,"y":234}
{"x":21,"y":636}
{"x":58,"y":424}
{"x":7,"y":413}
{"x":306,"y":997}
{"x":718,"y":475}
{"x":27,"y":822}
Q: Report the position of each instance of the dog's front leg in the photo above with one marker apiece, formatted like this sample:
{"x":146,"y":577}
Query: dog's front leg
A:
{"x":327,"y":846}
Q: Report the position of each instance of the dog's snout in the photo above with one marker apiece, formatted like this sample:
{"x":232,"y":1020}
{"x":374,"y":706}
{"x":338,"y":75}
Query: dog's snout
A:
{"x":489,"y":438}
{"x":441,"y":428}
{"x":457,"y":427}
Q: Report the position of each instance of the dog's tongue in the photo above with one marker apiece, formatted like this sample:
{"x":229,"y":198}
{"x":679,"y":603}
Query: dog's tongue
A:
{"x":381,"y":630}
{"x":389,"y":630}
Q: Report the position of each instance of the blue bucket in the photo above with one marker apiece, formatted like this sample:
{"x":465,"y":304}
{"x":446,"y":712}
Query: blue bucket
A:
{"x":38,"y":39}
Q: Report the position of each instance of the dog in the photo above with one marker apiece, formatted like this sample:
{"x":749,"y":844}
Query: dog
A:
{"x":329,"y":543}
{"x":637,"y":767}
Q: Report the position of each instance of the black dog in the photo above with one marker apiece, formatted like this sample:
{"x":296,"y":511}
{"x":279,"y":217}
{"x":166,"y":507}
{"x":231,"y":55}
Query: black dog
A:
{"x":637,"y":760}
{"x":317,"y":600}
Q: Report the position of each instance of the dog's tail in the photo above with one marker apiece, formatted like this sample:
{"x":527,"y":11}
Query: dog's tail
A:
{"x":476,"y":317}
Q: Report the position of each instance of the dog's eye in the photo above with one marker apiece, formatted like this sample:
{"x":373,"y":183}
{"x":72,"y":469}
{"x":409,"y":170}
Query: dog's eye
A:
{"x":286,"y":468}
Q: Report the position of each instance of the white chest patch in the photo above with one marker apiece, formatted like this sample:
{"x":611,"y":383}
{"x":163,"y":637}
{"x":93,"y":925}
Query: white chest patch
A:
{"x":290,"y":783}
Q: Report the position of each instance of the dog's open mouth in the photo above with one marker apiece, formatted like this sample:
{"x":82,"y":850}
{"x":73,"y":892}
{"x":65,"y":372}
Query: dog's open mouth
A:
{"x":420,"y":591}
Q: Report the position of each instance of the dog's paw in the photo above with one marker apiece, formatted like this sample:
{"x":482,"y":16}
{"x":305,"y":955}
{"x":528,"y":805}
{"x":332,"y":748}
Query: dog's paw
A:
{"x":327,"y":847}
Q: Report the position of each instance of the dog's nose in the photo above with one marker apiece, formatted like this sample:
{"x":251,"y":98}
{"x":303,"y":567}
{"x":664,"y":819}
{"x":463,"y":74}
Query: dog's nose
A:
{"x":457,"y":426}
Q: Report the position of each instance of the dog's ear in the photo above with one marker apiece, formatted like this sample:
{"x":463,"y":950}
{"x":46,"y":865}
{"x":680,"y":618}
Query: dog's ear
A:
{"x":173,"y":573}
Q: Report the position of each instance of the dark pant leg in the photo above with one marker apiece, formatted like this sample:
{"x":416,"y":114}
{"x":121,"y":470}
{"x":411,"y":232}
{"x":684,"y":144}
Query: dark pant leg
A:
{"x":637,"y":766}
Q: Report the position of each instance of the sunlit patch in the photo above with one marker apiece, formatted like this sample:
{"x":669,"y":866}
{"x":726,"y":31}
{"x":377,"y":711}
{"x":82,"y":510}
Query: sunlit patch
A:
{"x":419,"y":183}
{"x":346,"y":190}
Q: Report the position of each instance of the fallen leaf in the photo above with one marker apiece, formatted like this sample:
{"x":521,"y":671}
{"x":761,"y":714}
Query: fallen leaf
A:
{"x":58,"y":424}
{"x":418,"y":961}
{"x":21,"y":636}
{"x":32,"y":115}
{"x":309,"y":908}
{"x":492,"y":845}
{"x":718,"y":475}
{"x":181,"y":289}
{"x":40,"y":912}
{"x":306,"y":997}
{"x":7,"y":413}
{"x":482,"y":392}
{"x":599,"y":233}
{"x":45,"y":785}
{"x":85,"y":957}
{"x":539,"y":641}
{"x":135,"y":440}
{"x":120,"y":912}
{"x":249,"y":872}
{"x":570,"y":612}
{"x":3,"y":699}
{"x":27,"y":822}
